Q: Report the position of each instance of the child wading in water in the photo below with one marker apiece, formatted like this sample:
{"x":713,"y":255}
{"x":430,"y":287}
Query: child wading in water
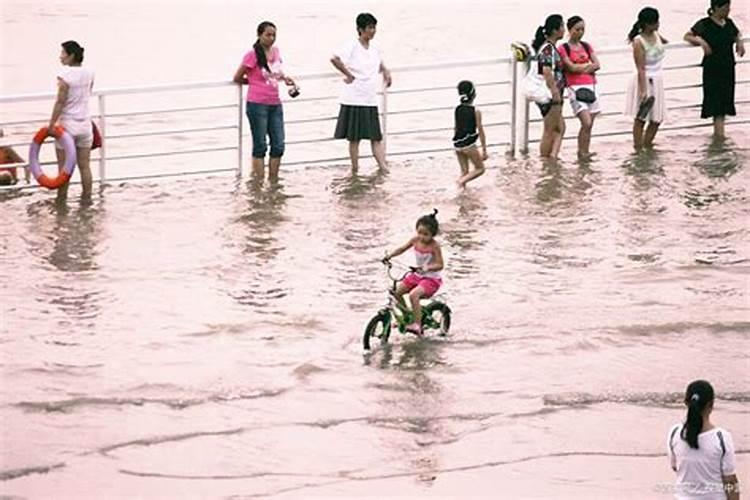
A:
{"x":426,"y":281}
{"x":468,"y":128}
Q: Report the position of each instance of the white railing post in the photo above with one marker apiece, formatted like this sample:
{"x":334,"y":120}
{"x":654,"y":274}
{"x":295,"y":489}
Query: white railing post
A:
{"x":513,"y":105}
{"x":524,"y":149}
{"x":385,"y":117}
{"x":103,"y":133}
{"x":240,"y":120}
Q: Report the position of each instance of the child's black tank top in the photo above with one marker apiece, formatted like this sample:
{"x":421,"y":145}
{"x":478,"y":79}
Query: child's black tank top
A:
{"x":466,"y":126}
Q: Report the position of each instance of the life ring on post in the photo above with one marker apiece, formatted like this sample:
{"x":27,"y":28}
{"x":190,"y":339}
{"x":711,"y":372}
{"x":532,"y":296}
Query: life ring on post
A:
{"x":69,"y":147}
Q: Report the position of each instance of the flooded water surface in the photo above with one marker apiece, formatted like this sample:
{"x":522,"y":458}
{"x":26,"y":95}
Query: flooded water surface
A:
{"x":201,"y":337}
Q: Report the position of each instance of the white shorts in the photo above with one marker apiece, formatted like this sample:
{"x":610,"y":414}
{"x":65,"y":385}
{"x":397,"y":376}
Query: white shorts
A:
{"x":465,"y":149}
{"x":81,"y":130}
{"x":592,"y":107}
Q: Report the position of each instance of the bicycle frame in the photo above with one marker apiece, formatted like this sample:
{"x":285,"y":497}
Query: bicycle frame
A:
{"x":399,"y":310}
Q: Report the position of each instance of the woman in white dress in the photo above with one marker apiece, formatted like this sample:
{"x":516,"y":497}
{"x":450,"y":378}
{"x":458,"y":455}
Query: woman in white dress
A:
{"x":645,"y":98}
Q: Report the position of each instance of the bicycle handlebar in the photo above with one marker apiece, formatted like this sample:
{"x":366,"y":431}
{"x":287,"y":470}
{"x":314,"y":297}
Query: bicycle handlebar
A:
{"x":388,"y":263}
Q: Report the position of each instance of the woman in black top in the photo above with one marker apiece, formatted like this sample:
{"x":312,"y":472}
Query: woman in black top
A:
{"x":717,"y":34}
{"x":468,"y":128}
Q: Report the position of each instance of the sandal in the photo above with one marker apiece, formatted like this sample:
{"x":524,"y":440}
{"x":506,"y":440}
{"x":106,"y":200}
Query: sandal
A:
{"x":414,"y":328}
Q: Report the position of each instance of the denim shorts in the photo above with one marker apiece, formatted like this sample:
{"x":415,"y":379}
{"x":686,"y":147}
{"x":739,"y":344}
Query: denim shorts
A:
{"x":266,"y":120}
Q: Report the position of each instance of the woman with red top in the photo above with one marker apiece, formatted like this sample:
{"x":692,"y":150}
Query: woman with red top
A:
{"x":581,"y":64}
{"x":261,"y":70}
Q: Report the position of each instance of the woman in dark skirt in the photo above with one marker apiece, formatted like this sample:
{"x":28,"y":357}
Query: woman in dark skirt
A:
{"x":360,"y":63}
{"x":717,"y":35}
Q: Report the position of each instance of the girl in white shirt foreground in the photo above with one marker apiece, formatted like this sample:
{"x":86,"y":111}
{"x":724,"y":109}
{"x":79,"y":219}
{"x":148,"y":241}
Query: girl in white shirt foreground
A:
{"x":701,"y":454}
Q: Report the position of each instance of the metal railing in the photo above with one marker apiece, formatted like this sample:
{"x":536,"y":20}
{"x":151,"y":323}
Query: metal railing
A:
{"x":517,"y":136}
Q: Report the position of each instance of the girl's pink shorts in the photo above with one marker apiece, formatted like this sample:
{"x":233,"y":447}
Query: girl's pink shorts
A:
{"x":429,"y":285}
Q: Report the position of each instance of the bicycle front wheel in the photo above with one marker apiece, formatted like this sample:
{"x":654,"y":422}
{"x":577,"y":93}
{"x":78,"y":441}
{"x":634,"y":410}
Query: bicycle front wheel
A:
{"x":379,"y":328}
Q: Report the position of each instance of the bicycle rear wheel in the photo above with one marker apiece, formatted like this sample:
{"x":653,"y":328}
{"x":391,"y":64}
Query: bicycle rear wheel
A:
{"x":379,"y":328}
{"x":437,"y":315}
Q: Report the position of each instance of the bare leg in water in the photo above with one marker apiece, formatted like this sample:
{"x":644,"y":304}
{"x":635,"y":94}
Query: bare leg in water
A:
{"x":273,"y":169}
{"x":83,"y":158}
{"x":473,"y":155}
{"x":354,"y":155}
{"x":648,"y":139}
{"x":378,"y":151}
{"x":719,"y":127}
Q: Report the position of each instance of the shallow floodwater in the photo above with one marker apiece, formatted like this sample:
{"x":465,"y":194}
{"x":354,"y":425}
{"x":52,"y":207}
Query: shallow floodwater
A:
{"x":203,"y":337}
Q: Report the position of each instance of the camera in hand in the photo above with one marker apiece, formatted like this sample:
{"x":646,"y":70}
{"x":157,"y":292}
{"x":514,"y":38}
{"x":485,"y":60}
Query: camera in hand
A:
{"x":294,"y":91}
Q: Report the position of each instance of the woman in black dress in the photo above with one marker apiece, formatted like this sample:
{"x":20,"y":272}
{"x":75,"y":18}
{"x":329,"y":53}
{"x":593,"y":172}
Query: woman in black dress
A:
{"x":717,"y":34}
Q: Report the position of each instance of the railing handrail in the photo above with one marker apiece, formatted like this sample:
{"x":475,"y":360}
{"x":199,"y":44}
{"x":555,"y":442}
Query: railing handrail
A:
{"x":170,"y":87}
{"x":311,"y":76}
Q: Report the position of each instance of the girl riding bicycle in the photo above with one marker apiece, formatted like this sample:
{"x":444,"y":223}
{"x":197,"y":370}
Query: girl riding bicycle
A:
{"x":426,"y":280}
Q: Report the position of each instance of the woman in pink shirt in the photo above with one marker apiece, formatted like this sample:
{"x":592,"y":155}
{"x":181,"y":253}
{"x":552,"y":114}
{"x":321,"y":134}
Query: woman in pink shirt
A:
{"x":581,"y":64}
{"x":261,"y":69}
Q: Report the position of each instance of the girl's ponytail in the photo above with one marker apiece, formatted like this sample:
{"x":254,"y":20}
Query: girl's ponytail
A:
{"x":260,"y":52}
{"x":430,"y":222}
{"x":698,"y":396}
{"x":647,"y":15}
{"x":634,"y":31}
{"x":539,"y":38}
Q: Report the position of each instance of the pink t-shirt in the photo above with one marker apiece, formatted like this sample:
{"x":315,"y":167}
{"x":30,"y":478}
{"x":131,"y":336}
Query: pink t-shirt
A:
{"x":578,"y":55}
{"x":263,"y":86}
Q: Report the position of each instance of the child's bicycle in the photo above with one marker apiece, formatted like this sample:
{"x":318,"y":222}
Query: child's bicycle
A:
{"x":435,"y":314}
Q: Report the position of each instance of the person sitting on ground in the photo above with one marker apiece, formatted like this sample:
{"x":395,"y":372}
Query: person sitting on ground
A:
{"x":9,"y":176}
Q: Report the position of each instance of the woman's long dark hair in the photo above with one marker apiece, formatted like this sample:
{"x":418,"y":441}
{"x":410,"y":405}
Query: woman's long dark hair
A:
{"x":698,"y":396}
{"x":647,"y":15}
{"x":74,"y":49}
{"x":552,"y":23}
{"x":260,"y":52}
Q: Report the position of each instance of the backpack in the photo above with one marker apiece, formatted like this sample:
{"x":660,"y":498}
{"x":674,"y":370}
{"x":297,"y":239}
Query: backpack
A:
{"x":586,"y":47}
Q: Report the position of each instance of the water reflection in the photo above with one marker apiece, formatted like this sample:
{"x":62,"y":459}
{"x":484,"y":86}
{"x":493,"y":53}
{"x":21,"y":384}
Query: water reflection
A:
{"x":466,"y":234}
{"x":358,"y":226}
{"x":645,"y":169}
{"x":355,"y":186}
{"x":76,"y":235}
{"x":262,"y":212}
{"x":721,"y":159}
{"x":262,"y":215}
{"x":414,"y":402}
{"x":549,"y":187}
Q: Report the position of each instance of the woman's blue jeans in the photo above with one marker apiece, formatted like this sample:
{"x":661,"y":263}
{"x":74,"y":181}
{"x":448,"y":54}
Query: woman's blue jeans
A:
{"x":266,"y":120}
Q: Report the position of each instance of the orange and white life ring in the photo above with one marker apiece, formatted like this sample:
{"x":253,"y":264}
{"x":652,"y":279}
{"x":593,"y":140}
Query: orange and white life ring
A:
{"x":69,"y":147}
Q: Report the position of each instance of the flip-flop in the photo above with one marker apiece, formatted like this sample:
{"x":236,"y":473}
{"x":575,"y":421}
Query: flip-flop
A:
{"x":645,"y":108}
